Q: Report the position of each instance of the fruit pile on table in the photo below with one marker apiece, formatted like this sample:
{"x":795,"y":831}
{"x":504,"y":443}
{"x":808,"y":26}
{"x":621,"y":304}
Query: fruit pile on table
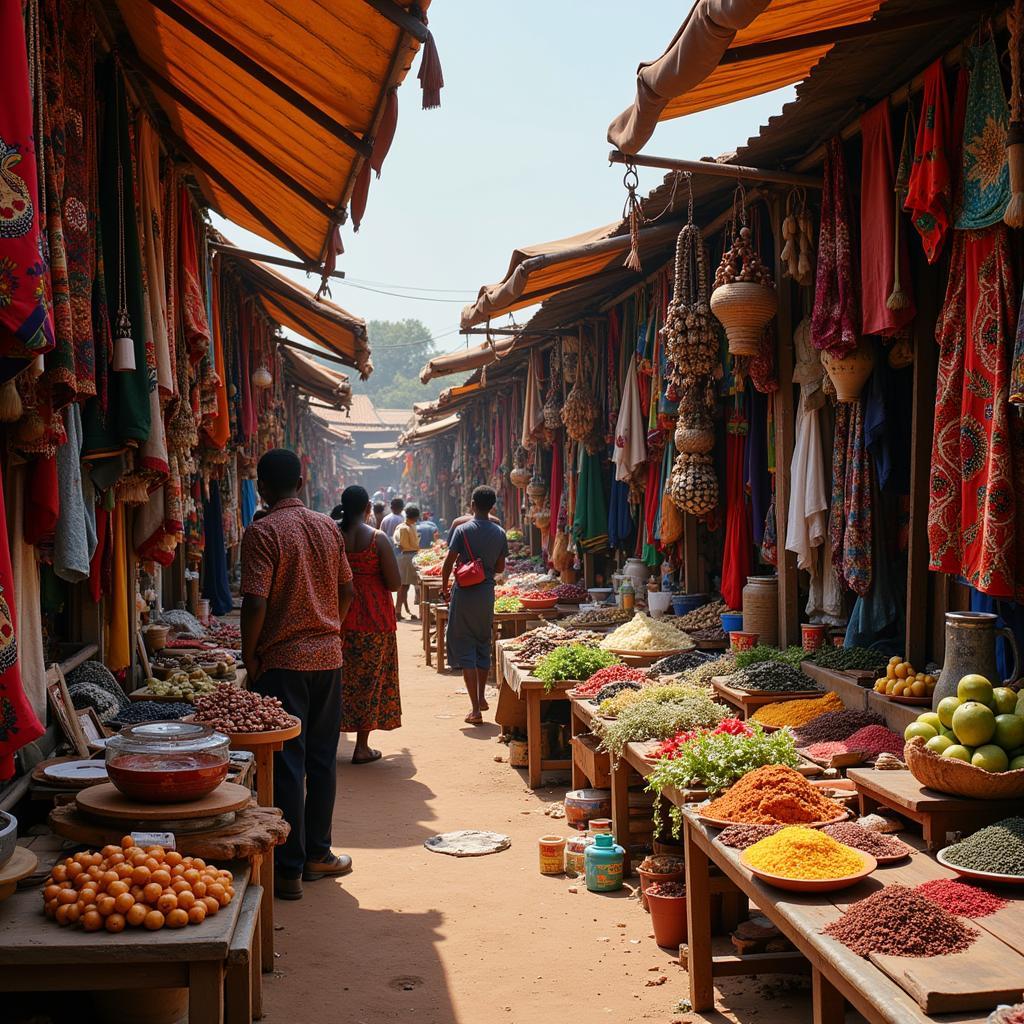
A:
{"x":982,"y":724}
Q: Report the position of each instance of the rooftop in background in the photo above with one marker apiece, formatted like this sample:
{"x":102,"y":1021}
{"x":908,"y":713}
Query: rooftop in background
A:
{"x":364,"y":417}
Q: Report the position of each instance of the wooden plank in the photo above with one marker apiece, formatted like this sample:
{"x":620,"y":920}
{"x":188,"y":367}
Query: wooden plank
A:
{"x":978,"y":979}
{"x":731,"y":966}
{"x":785,"y":432}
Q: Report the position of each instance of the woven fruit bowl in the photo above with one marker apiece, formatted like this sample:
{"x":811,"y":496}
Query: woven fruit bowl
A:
{"x":950,"y":775}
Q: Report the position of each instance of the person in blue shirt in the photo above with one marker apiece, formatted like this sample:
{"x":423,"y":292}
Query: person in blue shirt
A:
{"x":427,"y":529}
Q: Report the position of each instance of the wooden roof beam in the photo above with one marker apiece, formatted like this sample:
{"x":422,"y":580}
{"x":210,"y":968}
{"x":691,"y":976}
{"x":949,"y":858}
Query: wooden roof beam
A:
{"x":277,"y":261}
{"x":714,"y":169}
{"x":403,"y":18}
{"x":331,"y":356}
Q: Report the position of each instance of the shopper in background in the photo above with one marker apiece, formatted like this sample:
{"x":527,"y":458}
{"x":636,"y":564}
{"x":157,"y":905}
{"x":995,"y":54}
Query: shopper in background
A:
{"x":407,"y":543}
{"x":378,"y":514}
{"x":371,"y":698}
{"x":427,"y":529}
{"x":471,"y":609}
{"x":296,"y":592}
{"x":394,"y":519}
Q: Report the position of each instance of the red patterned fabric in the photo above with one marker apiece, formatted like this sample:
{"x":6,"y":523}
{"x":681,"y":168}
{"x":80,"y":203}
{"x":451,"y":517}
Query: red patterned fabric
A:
{"x":190,"y":292}
{"x":736,"y":555}
{"x":835,"y":322}
{"x":850,"y":513}
{"x":972,"y":515}
{"x":369,"y":687}
{"x":26,"y":324}
{"x":42,"y":500}
{"x":930,"y":191}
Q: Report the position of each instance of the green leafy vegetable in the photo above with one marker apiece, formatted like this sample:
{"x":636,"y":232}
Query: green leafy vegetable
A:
{"x":573,"y":662}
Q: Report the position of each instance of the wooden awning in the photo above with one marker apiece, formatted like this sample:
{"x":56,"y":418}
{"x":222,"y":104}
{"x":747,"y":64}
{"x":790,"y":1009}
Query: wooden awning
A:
{"x":297,"y":308}
{"x":313,"y":379}
{"x":281,"y":106}
{"x":466,"y":359}
{"x":428,"y":431}
{"x":537,"y":272}
{"x":729,"y":50}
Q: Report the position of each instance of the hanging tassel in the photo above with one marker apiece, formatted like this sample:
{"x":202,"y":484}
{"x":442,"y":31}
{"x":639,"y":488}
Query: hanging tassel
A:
{"x":385,"y":132}
{"x":10,"y":403}
{"x":430,"y":75}
{"x":898,"y":298}
{"x":335,"y":247}
{"x":633,"y":213}
{"x":360,"y":194}
{"x":124,"y":347}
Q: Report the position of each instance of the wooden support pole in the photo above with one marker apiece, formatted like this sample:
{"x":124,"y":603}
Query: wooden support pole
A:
{"x":331,"y":357}
{"x":401,"y":17}
{"x":714,"y":169}
{"x":277,"y":261}
{"x":789,"y":610}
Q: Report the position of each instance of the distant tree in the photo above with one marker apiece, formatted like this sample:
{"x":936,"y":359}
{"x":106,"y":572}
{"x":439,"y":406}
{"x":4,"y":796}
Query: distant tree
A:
{"x":399,"y":350}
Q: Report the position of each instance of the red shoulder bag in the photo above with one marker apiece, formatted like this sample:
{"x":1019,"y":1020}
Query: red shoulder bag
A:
{"x":471,"y":573}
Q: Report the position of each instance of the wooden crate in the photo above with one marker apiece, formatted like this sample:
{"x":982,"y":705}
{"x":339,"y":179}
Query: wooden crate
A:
{"x":595,"y":764}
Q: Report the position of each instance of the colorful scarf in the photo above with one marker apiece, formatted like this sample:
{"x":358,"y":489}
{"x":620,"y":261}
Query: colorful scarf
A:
{"x":972,"y":515}
{"x":736,"y":553}
{"x":190,"y":293}
{"x":835,"y":323}
{"x":26,"y":322}
{"x":850,"y":514}
{"x":986,"y":172}
{"x":930,"y":190}
{"x":878,"y":229}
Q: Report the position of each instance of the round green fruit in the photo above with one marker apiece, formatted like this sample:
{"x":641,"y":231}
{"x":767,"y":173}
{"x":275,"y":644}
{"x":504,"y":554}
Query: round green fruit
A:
{"x":945,"y":710}
{"x":1016,"y":763}
{"x":1004,"y":700}
{"x":991,"y":758}
{"x":932,"y":719}
{"x":974,"y":724}
{"x":961,"y":753}
{"x":976,"y":688}
{"x":922,"y":729}
{"x":948,"y":732}
{"x":1009,"y":732}
{"x":939,"y":744}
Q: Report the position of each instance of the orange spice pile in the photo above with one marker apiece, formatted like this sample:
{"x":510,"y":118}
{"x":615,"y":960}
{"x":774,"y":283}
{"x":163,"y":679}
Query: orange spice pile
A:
{"x":773,"y":795}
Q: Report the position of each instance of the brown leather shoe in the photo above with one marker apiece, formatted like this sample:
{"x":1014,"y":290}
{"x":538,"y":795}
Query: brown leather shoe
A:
{"x":331,"y":867}
{"x":288,"y":888}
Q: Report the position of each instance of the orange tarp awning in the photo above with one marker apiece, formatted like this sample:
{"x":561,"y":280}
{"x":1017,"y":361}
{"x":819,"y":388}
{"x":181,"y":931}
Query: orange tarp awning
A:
{"x":426,"y":431}
{"x":313,"y":379}
{"x":690,"y":76}
{"x":276,"y":104}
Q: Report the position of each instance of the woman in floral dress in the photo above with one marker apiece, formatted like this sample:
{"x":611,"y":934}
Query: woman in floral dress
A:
{"x":370,"y":697}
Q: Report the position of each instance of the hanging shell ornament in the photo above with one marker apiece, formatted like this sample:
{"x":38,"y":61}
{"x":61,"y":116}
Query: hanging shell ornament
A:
{"x":744,"y":299}
{"x":693,"y":485}
{"x":261,"y":378}
{"x":580,"y":412}
{"x":695,"y":432}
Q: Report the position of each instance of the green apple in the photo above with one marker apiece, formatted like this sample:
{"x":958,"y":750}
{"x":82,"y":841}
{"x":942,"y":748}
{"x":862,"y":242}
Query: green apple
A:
{"x":922,"y":729}
{"x":932,"y":719}
{"x":974,"y":724}
{"x":939,"y":744}
{"x":991,"y":758}
{"x":945,"y":710}
{"x":976,"y":688}
{"x":1009,"y":732}
{"x":961,"y":753}
{"x":1004,"y":700}
{"x":1016,"y":763}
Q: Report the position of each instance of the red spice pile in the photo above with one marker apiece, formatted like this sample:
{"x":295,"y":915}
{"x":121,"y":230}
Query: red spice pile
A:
{"x":773,"y":795}
{"x":900,"y":922}
{"x":960,"y":898}
{"x":612,"y":674}
{"x":871,"y":739}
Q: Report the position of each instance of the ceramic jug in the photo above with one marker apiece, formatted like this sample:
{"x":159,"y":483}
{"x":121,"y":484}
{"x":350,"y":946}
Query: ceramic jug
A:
{"x":971,"y":647}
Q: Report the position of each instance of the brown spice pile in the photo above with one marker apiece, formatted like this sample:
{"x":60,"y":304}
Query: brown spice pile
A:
{"x":860,"y":838}
{"x":773,"y":795}
{"x":740,"y":837}
{"x":897,"y":921}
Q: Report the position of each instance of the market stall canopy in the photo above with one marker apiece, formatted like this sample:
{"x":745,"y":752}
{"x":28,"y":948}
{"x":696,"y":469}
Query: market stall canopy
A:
{"x":330,"y":431}
{"x":729,"y":50}
{"x":427,"y":431}
{"x":466,"y":359}
{"x":313,"y":379}
{"x":537,"y":272}
{"x":282,"y":106}
{"x":297,"y":308}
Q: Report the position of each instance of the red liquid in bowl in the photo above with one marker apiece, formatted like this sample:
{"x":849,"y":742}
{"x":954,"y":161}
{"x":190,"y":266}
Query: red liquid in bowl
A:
{"x":167,"y":778}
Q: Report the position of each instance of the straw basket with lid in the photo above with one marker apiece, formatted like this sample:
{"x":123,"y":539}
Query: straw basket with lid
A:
{"x":744,"y":299}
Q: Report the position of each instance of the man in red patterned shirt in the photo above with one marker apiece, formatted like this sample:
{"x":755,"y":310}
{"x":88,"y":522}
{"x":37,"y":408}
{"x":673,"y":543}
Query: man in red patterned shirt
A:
{"x":296,"y":591}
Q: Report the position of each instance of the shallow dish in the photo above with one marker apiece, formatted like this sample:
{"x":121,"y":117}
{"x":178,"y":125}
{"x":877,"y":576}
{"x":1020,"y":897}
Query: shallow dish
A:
{"x":813,"y":884}
{"x":918,"y":701}
{"x":720,"y":823}
{"x":982,"y":876}
{"x":538,"y":602}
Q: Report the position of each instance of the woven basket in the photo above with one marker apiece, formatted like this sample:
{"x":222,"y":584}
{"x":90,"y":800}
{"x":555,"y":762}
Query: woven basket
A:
{"x":519,"y":477}
{"x":744,"y":308}
{"x":949,"y":775}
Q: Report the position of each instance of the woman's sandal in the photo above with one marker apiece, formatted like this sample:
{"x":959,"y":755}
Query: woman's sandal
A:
{"x":375,"y":755}
{"x":474,"y":719}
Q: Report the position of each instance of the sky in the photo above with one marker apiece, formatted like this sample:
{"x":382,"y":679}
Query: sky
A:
{"x":515,"y":155}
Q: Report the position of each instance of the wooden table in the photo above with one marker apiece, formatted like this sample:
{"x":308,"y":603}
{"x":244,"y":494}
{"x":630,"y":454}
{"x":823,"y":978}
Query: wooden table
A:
{"x":748,"y":703}
{"x":506,"y":626}
{"x":220,"y":955}
{"x":938,"y":814}
{"x":263,"y":746}
{"x":838,"y":975}
{"x":519,"y":691}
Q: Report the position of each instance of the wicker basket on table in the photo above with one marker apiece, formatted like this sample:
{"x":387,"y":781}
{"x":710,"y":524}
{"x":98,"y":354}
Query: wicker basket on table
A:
{"x":951,"y":775}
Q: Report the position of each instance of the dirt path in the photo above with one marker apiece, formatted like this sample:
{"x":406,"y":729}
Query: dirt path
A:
{"x":412,"y":935}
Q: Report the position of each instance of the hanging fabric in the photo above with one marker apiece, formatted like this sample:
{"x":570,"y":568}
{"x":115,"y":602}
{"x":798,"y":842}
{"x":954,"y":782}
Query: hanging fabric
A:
{"x":72,"y":550}
{"x":533,"y":411}
{"x":630,"y":435}
{"x":736,"y":552}
{"x":850,"y":519}
{"x":835,"y":322}
{"x":215,"y":563}
{"x":883,"y":252}
{"x":755,"y":470}
{"x":119,"y":644}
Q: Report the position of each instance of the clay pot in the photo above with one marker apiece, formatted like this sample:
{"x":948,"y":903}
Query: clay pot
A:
{"x":971,"y":649}
{"x":761,"y":608}
{"x":744,"y":308}
{"x":668,"y":919}
{"x":647,"y":877}
{"x":849,"y":374}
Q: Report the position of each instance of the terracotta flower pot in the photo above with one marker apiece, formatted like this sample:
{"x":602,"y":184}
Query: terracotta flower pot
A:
{"x":649,"y":877}
{"x":744,"y":308}
{"x":668,"y":919}
{"x":850,"y":373}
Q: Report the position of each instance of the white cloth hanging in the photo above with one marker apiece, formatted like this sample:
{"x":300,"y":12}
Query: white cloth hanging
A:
{"x":807,"y":523}
{"x":630,"y":434}
{"x":533,"y":413}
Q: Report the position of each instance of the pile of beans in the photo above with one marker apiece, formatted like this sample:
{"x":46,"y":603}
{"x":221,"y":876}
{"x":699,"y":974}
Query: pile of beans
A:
{"x":679,"y":663}
{"x":152,"y":711}
{"x":998,"y":848}
{"x":533,"y":645}
{"x":230,"y":709}
{"x":611,"y":674}
{"x":834,"y":725}
{"x":896,"y":921}
{"x":860,"y":838}
{"x":706,"y":616}
{"x":960,"y":898}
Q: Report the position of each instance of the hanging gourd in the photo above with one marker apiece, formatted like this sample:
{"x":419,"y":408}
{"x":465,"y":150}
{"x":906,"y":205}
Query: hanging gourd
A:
{"x":798,"y":233}
{"x":536,"y":489}
{"x":695,"y":431}
{"x":261,"y":378}
{"x":520,"y":475}
{"x":580,"y":412}
{"x":553,"y":406}
{"x":744,"y":299}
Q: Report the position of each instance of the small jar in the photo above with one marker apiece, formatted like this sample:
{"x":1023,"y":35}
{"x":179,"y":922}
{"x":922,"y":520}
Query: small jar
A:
{"x":627,"y":596}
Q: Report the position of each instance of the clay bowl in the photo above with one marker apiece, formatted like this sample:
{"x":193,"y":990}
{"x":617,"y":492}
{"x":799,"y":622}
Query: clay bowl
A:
{"x":981,"y":876}
{"x":813,"y":884}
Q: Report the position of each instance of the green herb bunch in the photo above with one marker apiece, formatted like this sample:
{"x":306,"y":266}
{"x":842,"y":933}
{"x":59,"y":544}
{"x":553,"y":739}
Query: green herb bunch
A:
{"x":715,"y":761}
{"x":857,"y":658}
{"x":762,"y":652}
{"x":659,"y":719}
{"x":653,"y":694}
{"x":572,"y":662}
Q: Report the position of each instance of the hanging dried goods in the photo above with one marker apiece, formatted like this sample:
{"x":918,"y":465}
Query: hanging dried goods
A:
{"x":773,"y":795}
{"x":580,"y":412}
{"x":693,"y":485}
{"x":800,"y":852}
{"x":744,"y":299}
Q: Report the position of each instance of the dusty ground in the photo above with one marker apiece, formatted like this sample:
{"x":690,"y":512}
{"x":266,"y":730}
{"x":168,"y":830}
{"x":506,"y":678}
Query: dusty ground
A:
{"x":438,"y":940}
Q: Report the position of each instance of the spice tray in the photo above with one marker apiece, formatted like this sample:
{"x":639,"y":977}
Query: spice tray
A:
{"x":981,"y":876}
{"x":845,"y":759}
{"x":781,"y":694}
{"x":719,"y":823}
{"x":648,"y":657}
{"x":813,"y":884}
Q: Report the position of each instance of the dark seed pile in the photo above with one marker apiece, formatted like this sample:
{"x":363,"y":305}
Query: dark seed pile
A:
{"x":998,"y":848}
{"x":739,"y":837}
{"x":960,"y":898}
{"x":843,"y":658}
{"x":680,"y":663}
{"x":611,"y":689}
{"x":152,"y":711}
{"x":775,"y":676}
{"x":834,"y":725}
{"x":860,"y":838}
{"x":897,"y":921}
